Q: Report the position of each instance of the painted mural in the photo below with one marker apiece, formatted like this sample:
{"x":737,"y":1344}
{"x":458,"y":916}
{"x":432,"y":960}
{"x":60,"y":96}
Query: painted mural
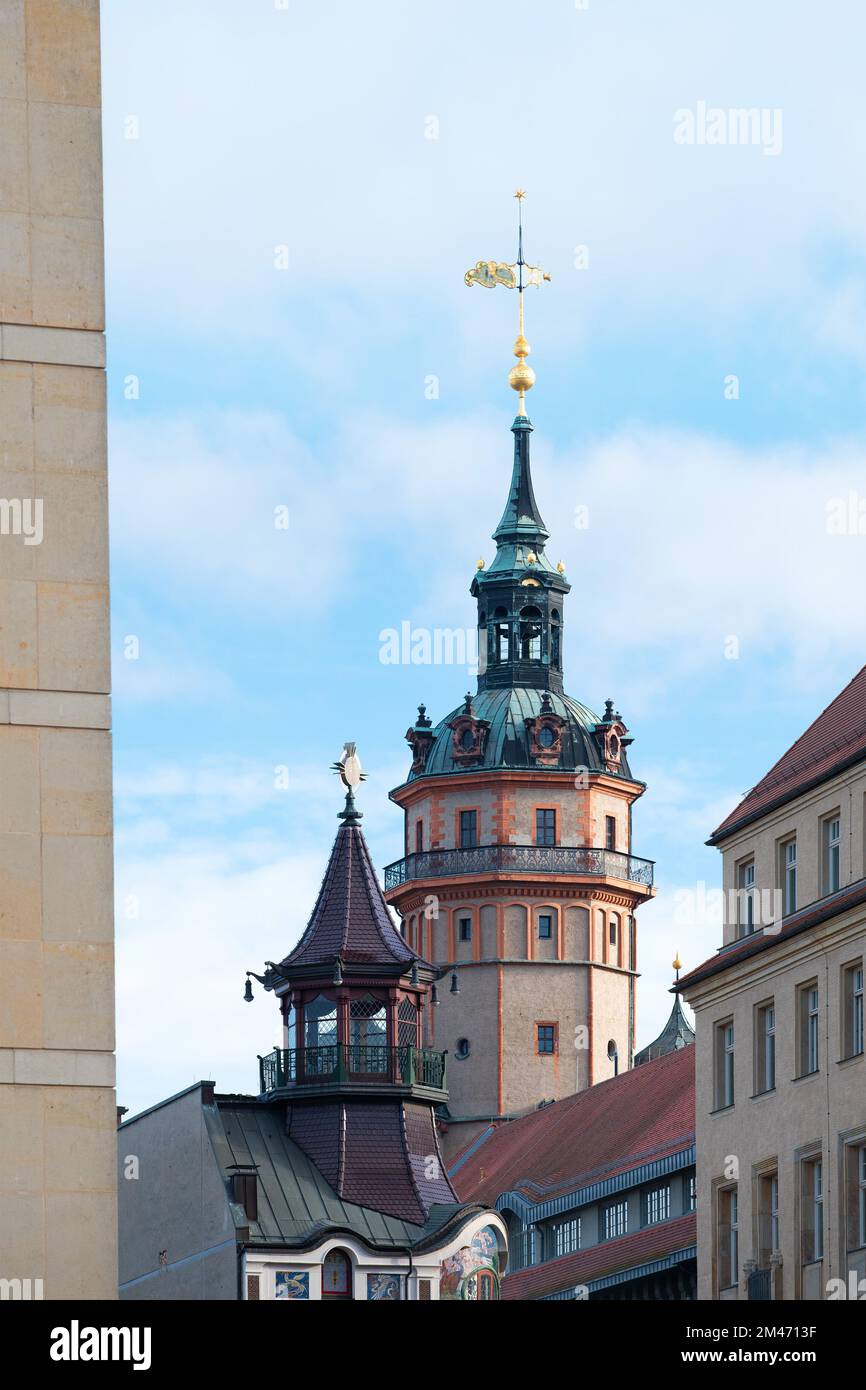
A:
{"x":384,"y":1286}
{"x":292,"y":1283}
{"x":473,"y":1271}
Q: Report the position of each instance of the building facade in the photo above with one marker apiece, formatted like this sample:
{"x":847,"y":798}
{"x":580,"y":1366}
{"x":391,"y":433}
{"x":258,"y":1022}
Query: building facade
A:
{"x":518,"y":874}
{"x":598,"y":1189}
{"x":781,"y":1071}
{"x":57,"y":1107}
{"x":329,"y":1184}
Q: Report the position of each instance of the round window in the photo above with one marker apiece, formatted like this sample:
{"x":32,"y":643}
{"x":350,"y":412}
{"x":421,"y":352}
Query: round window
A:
{"x":467,"y":739}
{"x":463,"y":1048}
{"x":546,"y":736}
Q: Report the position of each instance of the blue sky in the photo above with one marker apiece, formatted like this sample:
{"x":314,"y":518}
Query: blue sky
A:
{"x":257,"y":387}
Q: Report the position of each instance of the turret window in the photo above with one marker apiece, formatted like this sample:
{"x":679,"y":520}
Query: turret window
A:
{"x":468,"y":829}
{"x":464,"y":929}
{"x":545,"y":927}
{"x":545,"y":826}
{"x":502,"y":635}
{"x":555,"y":641}
{"x":530,"y":634}
{"x":320,"y":1022}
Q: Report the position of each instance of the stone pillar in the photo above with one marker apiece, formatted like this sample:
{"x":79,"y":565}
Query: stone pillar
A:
{"x":57,"y":1105}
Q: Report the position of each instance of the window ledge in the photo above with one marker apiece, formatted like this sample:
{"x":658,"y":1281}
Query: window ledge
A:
{"x":722,"y":1110}
{"x":806,"y":1076}
{"x":855,"y":1057}
{"x":760,"y":1095}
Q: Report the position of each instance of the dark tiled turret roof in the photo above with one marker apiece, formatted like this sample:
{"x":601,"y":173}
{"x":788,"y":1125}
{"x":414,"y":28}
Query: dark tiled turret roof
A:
{"x":351,"y":919}
{"x":677,"y":1033}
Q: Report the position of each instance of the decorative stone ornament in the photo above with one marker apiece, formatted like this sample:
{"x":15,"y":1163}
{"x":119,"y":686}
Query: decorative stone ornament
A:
{"x":468,"y":735}
{"x":420,"y":739}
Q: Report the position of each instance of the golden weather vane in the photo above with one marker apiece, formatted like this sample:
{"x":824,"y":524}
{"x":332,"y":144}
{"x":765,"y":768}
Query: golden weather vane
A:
{"x":514,"y":277}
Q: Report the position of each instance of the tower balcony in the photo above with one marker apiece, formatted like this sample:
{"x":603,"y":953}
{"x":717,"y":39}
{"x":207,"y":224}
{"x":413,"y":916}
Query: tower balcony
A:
{"x":350,"y":1067}
{"x":581,"y":861}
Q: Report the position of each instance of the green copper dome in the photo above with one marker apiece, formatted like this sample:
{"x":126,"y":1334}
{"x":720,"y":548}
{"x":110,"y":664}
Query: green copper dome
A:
{"x":509,"y":742}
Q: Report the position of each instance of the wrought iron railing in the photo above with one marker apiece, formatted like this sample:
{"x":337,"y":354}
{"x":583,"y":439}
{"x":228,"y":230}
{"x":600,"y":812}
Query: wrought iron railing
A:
{"x":336,"y":1063}
{"x":520,"y":859}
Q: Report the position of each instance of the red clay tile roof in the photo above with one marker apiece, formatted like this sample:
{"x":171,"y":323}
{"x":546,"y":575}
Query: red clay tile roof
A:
{"x":811,"y":916}
{"x":610,"y":1257}
{"x":836,"y":739}
{"x":643,"y":1114}
{"x":351,"y":918}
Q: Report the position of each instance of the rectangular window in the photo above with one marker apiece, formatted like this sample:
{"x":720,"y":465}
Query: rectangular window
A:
{"x":807,"y":1025}
{"x":729,"y":1252}
{"x":788,"y":875}
{"x":658,"y":1205}
{"x":464,"y":928}
{"x":419,"y":836}
{"x":692,"y":1195}
{"x":724,"y":1064}
{"x":746,"y":897}
{"x":813,"y":1211}
{"x":855,"y":1196}
{"x":852,"y":1010}
{"x":545,"y":826}
{"x":765,"y":1048}
{"x":610,"y":832}
{"x":615,"y":1220}
{"x":468,"y":829}
{"x":566,"y":1236}
{"x":613,"y":929}
{"x":545,"y":927}
{"x":545,"y":1038}
{"x":767,"y":1217}
{"x":832,"y":845}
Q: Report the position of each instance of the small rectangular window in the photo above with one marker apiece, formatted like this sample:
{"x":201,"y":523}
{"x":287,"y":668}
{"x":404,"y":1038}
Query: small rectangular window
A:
{"x":468,"y":829}
{"x":545,"y":826}
{"x":788,"y":875}
{"x":807,"y":1024}
{"x":610,"y":832}
{"x":692,"y":1196}
{"x":245,"y":1194}
{"x":566,"y":1236}
{"x":419,"y":836}
{"x":724,"y":1064}
{"x":545,"y":1038}
{"x":855,"y":1196}
{"x":765,"y":1048}
{"x":852,"y":1010}
{"x":813,"y":1211}
{"x":767,"y":1217}
{"x":832,"y":847}
{"x":615,"y":1220}
{"x":465,"y":928}
{"x":728,"y":1238}
{"x":658,"y":1205}
{"x":746,"y":897}
{"x":545,"y":927}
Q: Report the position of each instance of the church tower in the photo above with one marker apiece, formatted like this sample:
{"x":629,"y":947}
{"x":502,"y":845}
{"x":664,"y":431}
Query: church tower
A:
{"x":518,"y":877}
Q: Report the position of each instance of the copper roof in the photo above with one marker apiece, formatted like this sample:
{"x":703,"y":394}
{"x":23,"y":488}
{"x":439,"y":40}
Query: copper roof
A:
{"x":835,"y":740}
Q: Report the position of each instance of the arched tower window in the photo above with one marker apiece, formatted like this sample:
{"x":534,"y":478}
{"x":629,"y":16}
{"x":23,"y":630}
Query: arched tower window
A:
{"x":555,"y":639}
{"x":501,"y":635}
{"x":530,"y":634}
{"x":368,"y":1035}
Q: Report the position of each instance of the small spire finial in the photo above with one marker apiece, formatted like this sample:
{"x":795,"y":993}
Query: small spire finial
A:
{"x":677,"y":965}
{"x":517,"y":276}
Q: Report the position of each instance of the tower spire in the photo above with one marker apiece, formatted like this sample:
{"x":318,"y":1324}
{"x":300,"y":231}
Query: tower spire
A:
{"x":518,"y":275}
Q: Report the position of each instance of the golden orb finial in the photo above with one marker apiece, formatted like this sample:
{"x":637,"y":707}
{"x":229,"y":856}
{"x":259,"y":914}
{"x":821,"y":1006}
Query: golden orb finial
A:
{"x":479,"y":563}
{"x":560,"y":567}
{"x":676,"y":962}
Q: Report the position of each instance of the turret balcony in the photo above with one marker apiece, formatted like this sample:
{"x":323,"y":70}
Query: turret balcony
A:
{"x":354,"y":1067}
{"x":581,"y":861}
